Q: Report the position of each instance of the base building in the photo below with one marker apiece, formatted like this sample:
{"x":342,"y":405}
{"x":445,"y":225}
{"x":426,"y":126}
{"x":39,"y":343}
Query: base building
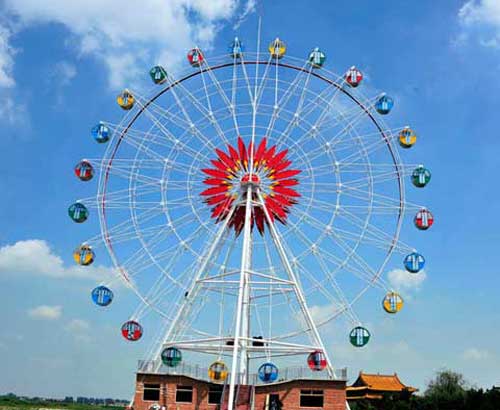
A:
{"x":189,"y":388}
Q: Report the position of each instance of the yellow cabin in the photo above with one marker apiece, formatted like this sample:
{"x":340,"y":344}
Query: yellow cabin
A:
{"x":125,"y":100}
{"x":392,"y":302}
{"x":84,"y":255}
{"x":407,"y":137}
{"x":217,"y":372}
{"x":277,"y":48}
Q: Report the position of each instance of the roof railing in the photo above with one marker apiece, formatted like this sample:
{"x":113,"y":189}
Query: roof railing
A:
{"x":201,"y":372}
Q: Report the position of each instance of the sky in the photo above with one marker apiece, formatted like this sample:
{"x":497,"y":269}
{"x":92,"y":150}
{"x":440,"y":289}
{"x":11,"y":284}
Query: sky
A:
{"x":61,"y":65}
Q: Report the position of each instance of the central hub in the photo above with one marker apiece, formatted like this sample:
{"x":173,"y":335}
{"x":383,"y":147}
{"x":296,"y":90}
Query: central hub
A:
{"x":247,"y":179}
{"x":265,"y":170}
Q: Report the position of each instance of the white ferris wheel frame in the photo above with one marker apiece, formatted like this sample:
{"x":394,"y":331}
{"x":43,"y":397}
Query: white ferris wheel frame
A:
{"x":242,"y":346}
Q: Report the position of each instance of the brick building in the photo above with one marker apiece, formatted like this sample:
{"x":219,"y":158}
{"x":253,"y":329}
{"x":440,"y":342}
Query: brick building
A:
{"x":298,"y":390}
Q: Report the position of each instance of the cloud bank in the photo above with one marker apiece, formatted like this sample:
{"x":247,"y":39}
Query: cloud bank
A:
{"x":35,"y":257}
{"x":127,"y":36}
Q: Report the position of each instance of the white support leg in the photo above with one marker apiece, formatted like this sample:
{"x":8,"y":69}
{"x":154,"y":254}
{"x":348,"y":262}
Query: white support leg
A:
{"x":243,"y":293}
{"x":298,"y":292}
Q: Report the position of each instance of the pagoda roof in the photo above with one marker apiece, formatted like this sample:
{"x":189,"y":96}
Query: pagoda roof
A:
{"x":379,"y":382}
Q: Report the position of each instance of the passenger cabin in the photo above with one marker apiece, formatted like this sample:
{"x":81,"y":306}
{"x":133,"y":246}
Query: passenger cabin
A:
{"x":376,"y":386}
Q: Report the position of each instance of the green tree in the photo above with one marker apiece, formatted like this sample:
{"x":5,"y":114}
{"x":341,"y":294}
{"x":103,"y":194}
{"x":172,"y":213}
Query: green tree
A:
{"x":482,"y":400}
{"x":446,"y":392}
{"x":362,"y":405}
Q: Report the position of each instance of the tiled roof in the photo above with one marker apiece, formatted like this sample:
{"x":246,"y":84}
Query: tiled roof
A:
{"x":380,"y":382}
{"x":365,"y":396}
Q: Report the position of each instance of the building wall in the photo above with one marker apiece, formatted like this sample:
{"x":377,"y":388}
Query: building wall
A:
{"x":289,"y":393}
{"x":334,"y":396}
{"x":168,"y":386}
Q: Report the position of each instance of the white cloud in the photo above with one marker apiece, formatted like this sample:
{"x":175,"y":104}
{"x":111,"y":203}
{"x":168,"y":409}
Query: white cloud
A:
{"x":491,"y":42}
{"x":34,"y":256}
{"x":63,"y":72}
{"x":320,"y":313}
{"x":482,"y":11}
{"x":249,"y":9}
{"x":13,"y":112}
{"x":473,"y":353}
{"x":118,"y":75}
{"x":6,"y":58}
{"x":80,"y":330}
{"x":482,"y":19}
{"x":213,"y":9}
{"x":403,"y":280}
{"x":58,"y":77}
{"x":45,"y":312}
{"x":130,"y":35}
{"x":77,"y":325}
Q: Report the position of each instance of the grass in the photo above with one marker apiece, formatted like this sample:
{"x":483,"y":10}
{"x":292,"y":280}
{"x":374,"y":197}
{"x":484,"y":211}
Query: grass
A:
{"x":8,"y":403}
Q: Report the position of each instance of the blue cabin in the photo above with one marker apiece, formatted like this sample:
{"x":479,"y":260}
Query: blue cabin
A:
{"x":384,"y":104}
{"x":414,"y":262}
{"x":101,"y":133}
{"x":268,"y":372}
{"x":102,"y":296}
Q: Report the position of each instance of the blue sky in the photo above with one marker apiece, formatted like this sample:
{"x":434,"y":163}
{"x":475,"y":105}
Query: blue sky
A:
{"x":61,"y":65}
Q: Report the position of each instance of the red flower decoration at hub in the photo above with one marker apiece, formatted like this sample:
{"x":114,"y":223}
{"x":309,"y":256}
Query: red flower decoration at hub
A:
{"x":231,"y":176}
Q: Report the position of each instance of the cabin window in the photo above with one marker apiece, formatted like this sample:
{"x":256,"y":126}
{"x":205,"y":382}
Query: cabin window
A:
{"x":151,"y":392}
{"x":214,"y":394}
{"x":311,"y":398}
{"x":184,"y":394}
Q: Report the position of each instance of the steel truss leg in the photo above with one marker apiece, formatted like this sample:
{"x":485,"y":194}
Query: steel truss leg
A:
{"x":298,"y":291}
{"x":240,"y":358}
{"x":187,"y":303}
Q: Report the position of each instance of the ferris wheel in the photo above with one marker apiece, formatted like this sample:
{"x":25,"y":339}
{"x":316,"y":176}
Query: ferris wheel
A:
{"x":249,"y":201}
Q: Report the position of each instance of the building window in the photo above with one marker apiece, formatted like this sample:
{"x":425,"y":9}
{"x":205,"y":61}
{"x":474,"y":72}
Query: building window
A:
{"x":184,"y":394}
{"x":151,"y":392}
{"x":214,"y":394}
{"x":273,"y":402}
{"x":311,"y":398}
